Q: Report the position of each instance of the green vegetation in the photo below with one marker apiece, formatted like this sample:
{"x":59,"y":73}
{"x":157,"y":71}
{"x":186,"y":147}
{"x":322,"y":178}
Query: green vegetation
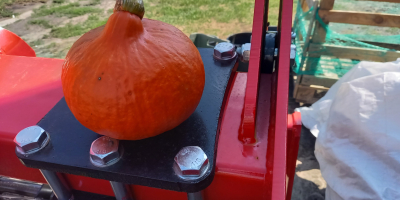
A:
{"x":93,"y":3}
{"x":58,"y":1}
{"x":4,"y":12}
{"x":196,"y":11}
{"x":36,"y":43}
{"x":70,"y":30}
{"x":216,"y":17}
{"x":41,"y":22}
{"x":69,"y":10}
{"x":51,"y":45}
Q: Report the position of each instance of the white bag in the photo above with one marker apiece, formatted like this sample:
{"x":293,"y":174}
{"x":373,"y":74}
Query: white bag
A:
{"x":358,"y":127}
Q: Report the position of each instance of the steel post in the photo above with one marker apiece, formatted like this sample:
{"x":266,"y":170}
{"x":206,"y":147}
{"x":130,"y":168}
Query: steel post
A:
{"x":58,"y":185}
{"x":121,"y":191}
{"x":195,"y":196}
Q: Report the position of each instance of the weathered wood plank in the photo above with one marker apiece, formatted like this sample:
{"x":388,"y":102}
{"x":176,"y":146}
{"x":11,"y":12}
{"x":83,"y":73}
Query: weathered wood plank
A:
{"x":360,"y":18}
{"x":353,"y":53}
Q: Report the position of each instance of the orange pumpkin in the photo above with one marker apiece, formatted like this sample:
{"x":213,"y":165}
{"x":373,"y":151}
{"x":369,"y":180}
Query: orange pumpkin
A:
{"x":133,"y":78}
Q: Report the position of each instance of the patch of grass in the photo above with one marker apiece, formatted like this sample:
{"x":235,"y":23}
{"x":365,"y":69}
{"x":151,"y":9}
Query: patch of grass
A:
{"x":70,"y":30}
{"x":41,"y":22}
{"x":36,"y":43}
{"x":93,"y":2}
{"x":51,"y":45}
{"x":69,"y":10}
{"x":188,"y":11}
{"x":58,"y":1}
{"x":4,"y":12}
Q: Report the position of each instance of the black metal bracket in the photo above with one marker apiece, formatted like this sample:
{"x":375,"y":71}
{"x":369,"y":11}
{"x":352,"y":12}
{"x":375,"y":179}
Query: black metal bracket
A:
{"x":145,"y":162}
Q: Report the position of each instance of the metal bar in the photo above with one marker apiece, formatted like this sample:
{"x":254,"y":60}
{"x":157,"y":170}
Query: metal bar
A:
{"x":121,"y":191}
{"x":58,"y":185}
{"x":294,"y":131}
{"x":247,"y":127}
{"x":20,"y":187}
{"x":310,"y":27}
{"x":277,"y":185}
{"x":195,"y":196}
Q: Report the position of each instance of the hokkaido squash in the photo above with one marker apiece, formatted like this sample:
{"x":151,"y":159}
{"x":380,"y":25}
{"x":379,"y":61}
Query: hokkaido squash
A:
{"x":133,"y":78}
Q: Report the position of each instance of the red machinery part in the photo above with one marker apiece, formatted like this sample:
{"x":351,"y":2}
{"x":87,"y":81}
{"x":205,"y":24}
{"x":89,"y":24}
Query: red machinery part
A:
{"x":35,"y":88}
{"x":11,"y":44}
{"x":279,"y":178}
{"x":247,"y":130}
{"x":293,"y":140}
{"x":263,"y":170}
{"x":30,"y":87}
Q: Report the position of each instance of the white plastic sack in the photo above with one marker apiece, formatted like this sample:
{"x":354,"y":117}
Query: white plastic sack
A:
{"x":358,"y":127}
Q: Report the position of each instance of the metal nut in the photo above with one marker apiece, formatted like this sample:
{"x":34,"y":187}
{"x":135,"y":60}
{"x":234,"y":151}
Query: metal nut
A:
{"x":224,"y":51}
{"x":31,"y":139}
{"x":105,"y":151}
{"x":191,"y":163}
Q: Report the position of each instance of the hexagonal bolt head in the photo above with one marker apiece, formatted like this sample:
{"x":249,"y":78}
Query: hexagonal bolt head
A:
{"x":191,"y":163}
{"x":224,"y":51}
{"x":31,"y":139}
{"x":105,"y":151}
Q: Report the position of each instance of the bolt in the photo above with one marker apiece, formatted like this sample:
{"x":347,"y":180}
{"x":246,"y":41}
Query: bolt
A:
{"x":224,"y":51}
{"x":191,"y":163}
{"x":105,"y":151}
{"x":246,"y":52}
{"x":31,"y":140}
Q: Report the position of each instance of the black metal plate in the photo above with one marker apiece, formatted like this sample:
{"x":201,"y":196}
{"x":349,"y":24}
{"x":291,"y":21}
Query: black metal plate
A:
{"x":145,"y":162}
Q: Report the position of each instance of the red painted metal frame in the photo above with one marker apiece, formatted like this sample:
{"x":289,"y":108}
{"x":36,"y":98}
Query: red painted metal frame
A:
{"x":294,"y":131}
{"x":240,"y":168}
{"x":248,"y":124}
{"x":277,"y":153}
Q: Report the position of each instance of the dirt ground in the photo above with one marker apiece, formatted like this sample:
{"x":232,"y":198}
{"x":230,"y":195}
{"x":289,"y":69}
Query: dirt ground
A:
{"x":308,"y":181}
{"x":41,"y":35}
{"x":37,"y":36}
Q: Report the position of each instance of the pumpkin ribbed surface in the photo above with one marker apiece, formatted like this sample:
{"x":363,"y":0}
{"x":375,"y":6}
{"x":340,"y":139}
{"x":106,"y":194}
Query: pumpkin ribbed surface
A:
{"x":133,"y":78}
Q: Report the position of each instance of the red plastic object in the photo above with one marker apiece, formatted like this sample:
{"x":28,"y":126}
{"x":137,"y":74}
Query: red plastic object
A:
{"x":11,"y":44}
{"x":29,"y":88}
{"x":248,"y":123}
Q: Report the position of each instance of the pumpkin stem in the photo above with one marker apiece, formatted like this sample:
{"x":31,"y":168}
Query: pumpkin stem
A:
{"x":133,"y":6}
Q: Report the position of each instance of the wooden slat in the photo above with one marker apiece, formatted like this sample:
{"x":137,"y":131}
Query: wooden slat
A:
{"x":390,"y":1}
{"x":384,"y":45}
{"x":320,"y":33}
{"x":304,"y":6}
{"x":353,"y":53}
{"x":326,"y":4}
{"x":360,"y":18}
